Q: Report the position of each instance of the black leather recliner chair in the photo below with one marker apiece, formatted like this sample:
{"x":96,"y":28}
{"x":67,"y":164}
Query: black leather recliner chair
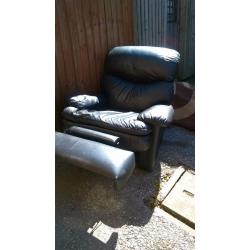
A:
{"x":137,"y":89}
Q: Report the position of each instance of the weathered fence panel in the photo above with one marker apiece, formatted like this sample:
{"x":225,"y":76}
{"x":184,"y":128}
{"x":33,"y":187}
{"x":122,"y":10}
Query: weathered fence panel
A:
{"x":167,"y":23}
{"x":186,"y":38}
{"x":151,"y":24}
{"x":85,"y":31}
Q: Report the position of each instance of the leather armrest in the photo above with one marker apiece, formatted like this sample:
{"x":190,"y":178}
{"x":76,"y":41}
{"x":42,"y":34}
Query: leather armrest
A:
{"x":87,"y":101}
{"x":158,"y":115}
{"x":93,"y":135}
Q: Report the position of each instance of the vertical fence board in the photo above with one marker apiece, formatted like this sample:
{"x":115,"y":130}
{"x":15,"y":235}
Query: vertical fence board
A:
{"x":84,"y":53}
{"x":72,"y":24}
{"x":150,"y":22}
{"x":157,"y":30}
{"x":66,"y":47}
{"x":109,"y":23}
{"x":125,"y":22}
{"x":146,"y":21}
{"x":186,"y":40}
{"x":153,"y":24}
{"x":165,"y":22}
{"x":131,"y":21}
{"x":150,"y":34}
{"x":114,"y":21}
{"x":138,"y":14}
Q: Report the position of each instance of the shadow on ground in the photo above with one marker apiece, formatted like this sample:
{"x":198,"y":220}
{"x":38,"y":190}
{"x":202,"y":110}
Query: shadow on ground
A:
{"x":83,"y":199}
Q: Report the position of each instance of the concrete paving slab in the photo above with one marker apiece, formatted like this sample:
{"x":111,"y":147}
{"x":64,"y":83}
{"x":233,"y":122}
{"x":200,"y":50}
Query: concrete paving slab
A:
{"x":169,"y":185}
{"x":180,"y":201}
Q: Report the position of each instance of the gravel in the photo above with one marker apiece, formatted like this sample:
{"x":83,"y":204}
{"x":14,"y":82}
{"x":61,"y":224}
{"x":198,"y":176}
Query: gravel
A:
{"x":91,"y":215}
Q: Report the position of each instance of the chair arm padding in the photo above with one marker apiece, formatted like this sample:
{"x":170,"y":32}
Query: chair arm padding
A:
{"x":86,"y":101}
{"x":158,"y":115}
{"x":93,"y":135}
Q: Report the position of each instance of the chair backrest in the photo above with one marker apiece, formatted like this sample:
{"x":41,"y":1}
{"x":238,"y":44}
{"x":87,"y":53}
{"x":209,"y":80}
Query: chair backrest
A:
{"x":137,"y":77}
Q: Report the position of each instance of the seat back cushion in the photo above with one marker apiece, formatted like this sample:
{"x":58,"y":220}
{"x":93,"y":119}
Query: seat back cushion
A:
{"x":127,"y":95}
{"x":138,"y":77}
{"x":142,"y":63}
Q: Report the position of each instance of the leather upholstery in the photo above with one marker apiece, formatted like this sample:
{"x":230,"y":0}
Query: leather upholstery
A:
{"x":87,"y":101}
{"x":127,"y":95}
{"x":130,"y":142}
{"x":114,"y":120}
{"x":142,"y":63}
{"x":93,"y":135}
{"x":158,"y":115}
{"x":137,"y":89}
{"x":111,"y":162}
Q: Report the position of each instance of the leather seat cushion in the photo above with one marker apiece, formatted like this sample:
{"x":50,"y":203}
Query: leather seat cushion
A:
{"x":125,"y":122}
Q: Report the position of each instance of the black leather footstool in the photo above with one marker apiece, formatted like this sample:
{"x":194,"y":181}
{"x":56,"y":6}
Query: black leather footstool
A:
{"x":106,"y":160}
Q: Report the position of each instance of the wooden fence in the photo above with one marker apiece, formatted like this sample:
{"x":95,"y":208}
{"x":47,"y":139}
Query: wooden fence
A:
{"x":85,"y":31}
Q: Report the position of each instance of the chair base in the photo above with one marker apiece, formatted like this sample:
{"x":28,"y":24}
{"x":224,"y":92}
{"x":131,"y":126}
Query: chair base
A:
{"x":145,"y":159}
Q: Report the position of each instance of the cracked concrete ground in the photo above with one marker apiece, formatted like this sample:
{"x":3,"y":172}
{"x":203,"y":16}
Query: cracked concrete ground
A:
{"x":91,"y":215}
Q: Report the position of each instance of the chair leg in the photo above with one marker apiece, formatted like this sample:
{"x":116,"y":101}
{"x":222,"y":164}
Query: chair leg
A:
{"x":146,"y":160}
